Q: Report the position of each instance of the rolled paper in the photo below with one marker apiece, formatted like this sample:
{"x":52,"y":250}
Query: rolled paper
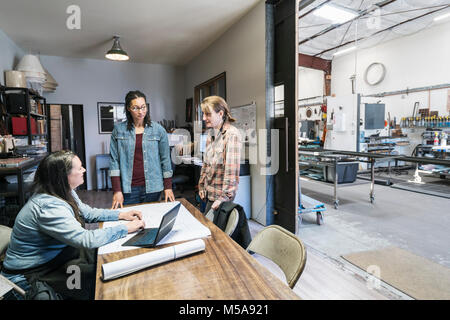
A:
{"x":125,"y":266}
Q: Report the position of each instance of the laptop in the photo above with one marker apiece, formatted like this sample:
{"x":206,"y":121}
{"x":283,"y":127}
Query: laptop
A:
{"x":152,"y":236}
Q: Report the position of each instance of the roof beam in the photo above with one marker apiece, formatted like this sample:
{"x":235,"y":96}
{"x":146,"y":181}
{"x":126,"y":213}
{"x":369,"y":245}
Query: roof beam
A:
{"x":334,"y":26}
{"x":312,"y":62}
{"x":388,"y":28}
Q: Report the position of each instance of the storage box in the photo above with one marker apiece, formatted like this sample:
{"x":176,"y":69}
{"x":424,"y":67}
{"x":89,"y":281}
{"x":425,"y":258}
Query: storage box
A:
{"x":16,"y":103}
{"x":19,"y":126}
{"x":346,"y":172}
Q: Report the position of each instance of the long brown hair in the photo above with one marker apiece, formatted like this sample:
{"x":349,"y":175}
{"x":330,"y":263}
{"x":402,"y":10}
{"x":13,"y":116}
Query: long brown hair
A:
{"x":130,"y":97}
{"x":217,"y":104}
{"x":52,"y":178}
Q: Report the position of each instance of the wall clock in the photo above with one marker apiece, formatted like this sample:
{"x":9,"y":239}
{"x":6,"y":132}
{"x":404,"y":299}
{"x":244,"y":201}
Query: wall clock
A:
{"x":374,"y":73}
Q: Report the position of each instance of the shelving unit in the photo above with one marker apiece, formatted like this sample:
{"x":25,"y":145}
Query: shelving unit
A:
{"x":428,"y":149}
{"x":30,"y":106}
{"x":34,"y":110}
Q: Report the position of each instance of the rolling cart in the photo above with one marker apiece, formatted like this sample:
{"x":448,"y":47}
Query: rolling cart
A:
{"x":307,"y":204}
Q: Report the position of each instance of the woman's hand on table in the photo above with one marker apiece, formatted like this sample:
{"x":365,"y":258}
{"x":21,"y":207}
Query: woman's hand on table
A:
{"x":135,"y":225}
{"x":117,"y":200}
{"x":130,"y":215}
{"x":168,"y":194}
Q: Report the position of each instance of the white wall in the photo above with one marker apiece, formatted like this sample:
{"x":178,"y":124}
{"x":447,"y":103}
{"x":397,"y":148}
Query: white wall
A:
{"x":240,"y":52}
{"x":10,"y":55}
{"x":88,"y":81}
{"x":417,"y":60}
{"x":310,"y":84}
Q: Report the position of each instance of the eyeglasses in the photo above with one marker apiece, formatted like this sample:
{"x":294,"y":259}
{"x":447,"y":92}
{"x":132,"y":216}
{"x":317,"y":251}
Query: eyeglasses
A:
{"x":134,"y":108}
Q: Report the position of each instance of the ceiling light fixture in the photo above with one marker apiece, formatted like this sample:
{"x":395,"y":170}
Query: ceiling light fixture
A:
{"x":32,"y":68}
{"x":336,"y":14}
{"x":117,"y":53}
{"x":344,"y":51}
{"x":442,"y":17}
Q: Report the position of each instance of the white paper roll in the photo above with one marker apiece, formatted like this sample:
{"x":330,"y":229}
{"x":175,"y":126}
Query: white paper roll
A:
{"x":125,"y":266}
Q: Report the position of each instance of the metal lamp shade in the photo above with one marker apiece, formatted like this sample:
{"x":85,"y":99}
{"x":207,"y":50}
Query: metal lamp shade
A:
{"x":50,"y":81}
{"x":117,"y":53}
{"x":32,"y":67}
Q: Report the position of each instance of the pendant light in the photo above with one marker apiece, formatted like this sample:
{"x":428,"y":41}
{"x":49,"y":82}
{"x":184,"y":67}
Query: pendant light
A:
{"x":32,"y":68}
{"x":117,"y":53}
{"x":50,"y":82}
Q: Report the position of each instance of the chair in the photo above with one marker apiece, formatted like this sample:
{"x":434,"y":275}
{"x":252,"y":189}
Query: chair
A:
{"x":232,"y":222}
{"x":283,"y":248}
{"x":5,"y":235}
{"x":102,"y":167}
{"x":105,"y":178}
{"x":178,"y":179}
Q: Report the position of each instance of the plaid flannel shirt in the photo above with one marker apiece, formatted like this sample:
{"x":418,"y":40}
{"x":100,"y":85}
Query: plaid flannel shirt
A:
{"x":219,"y":177}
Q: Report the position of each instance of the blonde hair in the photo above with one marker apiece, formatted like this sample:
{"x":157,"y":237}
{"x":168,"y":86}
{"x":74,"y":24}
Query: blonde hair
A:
{"x":217,"y":104}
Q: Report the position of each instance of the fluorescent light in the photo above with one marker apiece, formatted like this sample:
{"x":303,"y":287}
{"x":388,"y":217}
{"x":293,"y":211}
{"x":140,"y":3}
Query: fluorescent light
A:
{"x":335,"y":13}
{"x":442,"y":17}
{"x":344,"y":51}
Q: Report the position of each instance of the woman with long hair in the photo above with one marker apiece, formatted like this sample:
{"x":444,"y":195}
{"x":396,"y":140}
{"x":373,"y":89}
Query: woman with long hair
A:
{"x":49,"y":235}
{"x":219,"y":176}
{"x":140,"y":165}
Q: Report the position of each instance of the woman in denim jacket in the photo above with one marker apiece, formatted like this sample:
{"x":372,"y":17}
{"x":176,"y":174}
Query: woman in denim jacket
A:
{"x":140,"y":165}
{"x":48,"y":238}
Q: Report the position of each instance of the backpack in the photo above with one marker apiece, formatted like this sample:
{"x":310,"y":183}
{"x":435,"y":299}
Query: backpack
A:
{"x":40,"y":290}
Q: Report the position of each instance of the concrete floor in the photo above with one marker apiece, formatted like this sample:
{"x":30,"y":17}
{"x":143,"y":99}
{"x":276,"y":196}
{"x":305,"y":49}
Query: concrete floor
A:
{"x":412,"y":221}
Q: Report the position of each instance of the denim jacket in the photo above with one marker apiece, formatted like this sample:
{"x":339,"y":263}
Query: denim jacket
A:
{"x":156,"y":154}
{"x":46,"y":225}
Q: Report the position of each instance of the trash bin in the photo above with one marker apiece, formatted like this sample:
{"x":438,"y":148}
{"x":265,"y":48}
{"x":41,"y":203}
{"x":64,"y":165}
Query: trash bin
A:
{"x":346,"y":172}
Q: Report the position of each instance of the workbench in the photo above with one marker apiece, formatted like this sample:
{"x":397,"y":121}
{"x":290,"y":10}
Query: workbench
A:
{"x":318,"y":155}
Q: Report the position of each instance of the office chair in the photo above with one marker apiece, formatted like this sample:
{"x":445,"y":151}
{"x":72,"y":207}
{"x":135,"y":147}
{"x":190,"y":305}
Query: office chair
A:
{"x":283,"y":248}
{"x":232,"y":222}
{"x":5,"y":235}
{"x":178,"y":179}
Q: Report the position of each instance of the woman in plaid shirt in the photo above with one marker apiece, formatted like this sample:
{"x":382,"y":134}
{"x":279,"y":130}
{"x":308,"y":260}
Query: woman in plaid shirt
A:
{"x":219,"y":177}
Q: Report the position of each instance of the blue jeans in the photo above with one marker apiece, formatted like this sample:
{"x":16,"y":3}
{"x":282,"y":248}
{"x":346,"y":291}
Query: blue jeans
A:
{"x":138,"y":195}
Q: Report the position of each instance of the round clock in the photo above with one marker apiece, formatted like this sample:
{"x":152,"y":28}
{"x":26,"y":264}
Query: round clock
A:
{"x":375,"y":73}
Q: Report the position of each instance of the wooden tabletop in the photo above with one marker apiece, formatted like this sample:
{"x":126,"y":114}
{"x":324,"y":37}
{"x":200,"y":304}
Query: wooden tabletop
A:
{"x":223,"y":271}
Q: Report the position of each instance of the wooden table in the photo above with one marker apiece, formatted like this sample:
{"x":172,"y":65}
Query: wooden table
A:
{"x":223,"y":271}
{"x":18,"y":170}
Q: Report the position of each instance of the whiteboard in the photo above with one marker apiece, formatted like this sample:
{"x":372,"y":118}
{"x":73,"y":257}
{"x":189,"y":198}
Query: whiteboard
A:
{"x":245,"y":116}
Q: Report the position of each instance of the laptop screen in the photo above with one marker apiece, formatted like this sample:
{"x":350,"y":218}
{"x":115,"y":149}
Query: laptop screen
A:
{"x":167,"y":223}
{"x":151,"y":237}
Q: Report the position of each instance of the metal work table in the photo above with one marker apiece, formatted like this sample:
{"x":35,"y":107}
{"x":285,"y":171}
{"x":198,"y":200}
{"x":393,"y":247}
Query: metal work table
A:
{"x":365,"y":157}
{"x":326,"y":159}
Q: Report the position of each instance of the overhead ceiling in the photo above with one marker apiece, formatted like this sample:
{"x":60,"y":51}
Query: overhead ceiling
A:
{"x":151,"y":31}
{"x":394,"y":18}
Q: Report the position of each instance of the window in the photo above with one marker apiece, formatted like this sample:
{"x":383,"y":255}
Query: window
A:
{"x":278,"y":111}
{"x":110,"y":113}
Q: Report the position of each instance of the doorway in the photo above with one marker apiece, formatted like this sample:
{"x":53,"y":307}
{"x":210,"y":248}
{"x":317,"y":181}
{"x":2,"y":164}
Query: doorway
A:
{"x":67,"y":131}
